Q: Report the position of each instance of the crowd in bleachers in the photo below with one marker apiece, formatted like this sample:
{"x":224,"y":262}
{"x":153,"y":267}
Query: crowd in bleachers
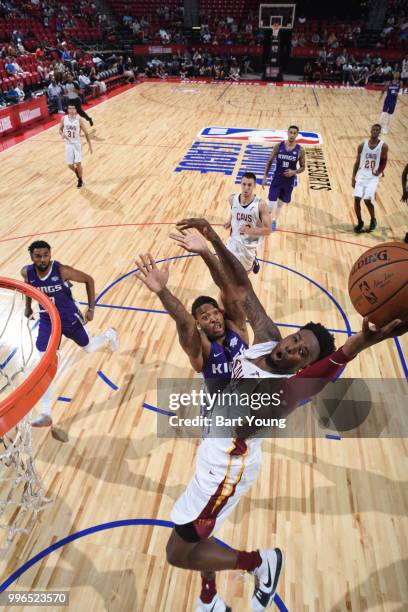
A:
{"x":344,"y":68}
{"x":335,"y":47}
{"x":199,"y":64}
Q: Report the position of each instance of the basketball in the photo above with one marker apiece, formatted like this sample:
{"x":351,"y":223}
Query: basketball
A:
{"x":378,"y":283}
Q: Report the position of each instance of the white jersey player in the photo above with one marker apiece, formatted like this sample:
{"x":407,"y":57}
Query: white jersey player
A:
{"x":249,"y":222}
{"x":70,"y":129}
{"x":368,"y":167}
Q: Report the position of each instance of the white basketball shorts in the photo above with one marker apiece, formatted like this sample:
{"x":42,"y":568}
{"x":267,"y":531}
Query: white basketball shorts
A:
{"x":73,"y":152}
{"x":225,"y":469}
{"x":366,"y":187}
{"x":245,"y":255}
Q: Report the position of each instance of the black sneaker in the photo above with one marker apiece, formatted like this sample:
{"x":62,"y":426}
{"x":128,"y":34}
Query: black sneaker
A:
{"x":373,"y":225}
{"x":406,"y":238}
{"x":267,"y":576}
{"x":255,"y":266}
{"x":90,"y":122}
{"x":80,"y":183}
{"x":359,"y":229}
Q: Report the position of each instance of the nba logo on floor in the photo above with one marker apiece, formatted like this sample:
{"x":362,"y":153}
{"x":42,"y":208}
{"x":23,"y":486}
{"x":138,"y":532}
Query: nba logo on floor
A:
{"x":257,"y":135}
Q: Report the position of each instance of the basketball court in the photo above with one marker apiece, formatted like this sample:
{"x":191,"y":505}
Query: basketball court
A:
{"x":337,"y":507}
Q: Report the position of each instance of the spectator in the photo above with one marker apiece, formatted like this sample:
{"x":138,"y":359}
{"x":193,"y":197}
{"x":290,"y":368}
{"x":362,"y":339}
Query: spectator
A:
{"x":234,"y":72}
{"x":347,"y":71}
{"x":9,"y":67}
{"x":307,"y":71}
{"x":316,"y":39}
{"x":54,"y":92}
{"x":84,"y":84}
{"x":128,"y":74}
{"x":19,"y":89}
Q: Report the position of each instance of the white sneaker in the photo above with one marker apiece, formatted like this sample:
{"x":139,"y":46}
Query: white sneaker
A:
{"x":266,"y":578}
{"x":217,"y":605}
{"x":42,"y":421}
{"x":113,"y":338}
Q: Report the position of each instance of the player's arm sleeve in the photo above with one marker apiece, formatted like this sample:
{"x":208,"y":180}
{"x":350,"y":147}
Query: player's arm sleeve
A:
{"x":315,"y":377}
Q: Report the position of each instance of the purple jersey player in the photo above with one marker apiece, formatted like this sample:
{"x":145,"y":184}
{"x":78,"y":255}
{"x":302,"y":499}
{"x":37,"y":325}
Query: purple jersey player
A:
{"x":53,"y":279}
{"x":390,"y":102}
{"x":287,"y":155}
{"x":210,"y":339}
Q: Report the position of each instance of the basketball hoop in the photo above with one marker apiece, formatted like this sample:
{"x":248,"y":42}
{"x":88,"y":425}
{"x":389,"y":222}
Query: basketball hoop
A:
{"x":23,"y":380}
{"x":275,"y":29}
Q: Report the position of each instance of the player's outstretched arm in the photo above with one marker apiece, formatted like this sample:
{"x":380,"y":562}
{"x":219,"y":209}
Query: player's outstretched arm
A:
{"x":28,"y":311}
{"x":71,"y":274}
{"x":404,"y":184}
{"x":269,"y":164}
{"x":193,"y":242}
{"x":263,"y":327}
{"x":194,"y":344}
{"x":356,"y":165}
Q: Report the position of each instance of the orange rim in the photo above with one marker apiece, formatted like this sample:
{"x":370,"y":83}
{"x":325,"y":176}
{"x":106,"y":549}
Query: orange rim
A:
{"x":16,"y":405}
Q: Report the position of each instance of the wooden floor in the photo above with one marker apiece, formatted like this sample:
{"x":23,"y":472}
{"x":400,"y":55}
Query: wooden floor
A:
{"x":337,"y":508}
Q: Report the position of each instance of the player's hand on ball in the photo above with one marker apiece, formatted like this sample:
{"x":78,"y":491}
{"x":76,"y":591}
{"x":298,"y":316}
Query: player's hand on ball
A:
{"x":190,"y":240}
{"x":370,"y":335}
{"x":149,"y":273}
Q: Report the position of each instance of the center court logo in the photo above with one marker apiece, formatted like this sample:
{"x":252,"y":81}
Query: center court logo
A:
{"x":257,"y":135}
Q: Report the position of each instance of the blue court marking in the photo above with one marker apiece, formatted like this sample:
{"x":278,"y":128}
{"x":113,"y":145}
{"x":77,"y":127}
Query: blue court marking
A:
{"x":107,"y":381}
{"x":94,"y":529}
{"x":61,"y":398}
{"x":8,"y":358}
{"x":333,"y":437}
{"x":154,"y":409}
{"x":15,"y":349}
{"x":401,"y":356}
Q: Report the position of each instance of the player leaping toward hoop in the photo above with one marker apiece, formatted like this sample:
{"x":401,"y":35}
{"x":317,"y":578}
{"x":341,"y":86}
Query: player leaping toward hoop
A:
{"x":249,"y":221}
{"x":372,"y":155}
{"x":70,"y":129}
{"x":227,"y":467}
{"x":52,"y":278}
{"x":287,"y":154}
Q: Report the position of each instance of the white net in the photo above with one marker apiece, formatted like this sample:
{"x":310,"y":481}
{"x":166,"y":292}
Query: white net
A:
{"x":22,"y":495}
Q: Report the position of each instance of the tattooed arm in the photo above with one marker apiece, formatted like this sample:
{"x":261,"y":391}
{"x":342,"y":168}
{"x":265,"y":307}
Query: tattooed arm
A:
{"x":193,"y":242}
{"x":263,"y":327}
